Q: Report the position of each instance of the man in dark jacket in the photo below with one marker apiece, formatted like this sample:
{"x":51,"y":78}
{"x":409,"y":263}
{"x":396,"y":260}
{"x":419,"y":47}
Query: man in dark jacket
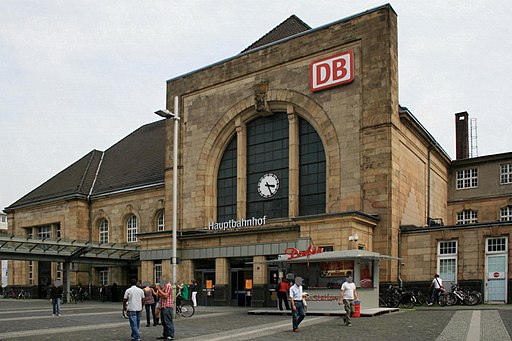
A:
{"x":56,"y":292}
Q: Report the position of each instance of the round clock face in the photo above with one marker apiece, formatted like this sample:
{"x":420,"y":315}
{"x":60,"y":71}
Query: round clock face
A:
{"x":268,"y":185}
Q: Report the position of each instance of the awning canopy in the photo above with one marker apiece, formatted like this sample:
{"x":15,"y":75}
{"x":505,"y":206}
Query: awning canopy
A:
{"x":18,"y":248}
{"x":336,"y":255}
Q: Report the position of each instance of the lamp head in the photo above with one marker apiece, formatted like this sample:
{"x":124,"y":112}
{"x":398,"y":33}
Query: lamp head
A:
{"x":165,"y":113}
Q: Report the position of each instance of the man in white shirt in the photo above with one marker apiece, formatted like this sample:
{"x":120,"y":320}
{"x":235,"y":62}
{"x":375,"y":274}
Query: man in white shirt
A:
{"x":348,"y":294}
{"x":133,"y":302}
{"x":437,"y":283}
{"x":298,"y":312}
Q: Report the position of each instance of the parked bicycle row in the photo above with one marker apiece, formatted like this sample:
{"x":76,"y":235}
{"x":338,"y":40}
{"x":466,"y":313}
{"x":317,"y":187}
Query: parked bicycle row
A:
{"x":76,"y":294}
{"x":394,"y":297}
{"x":16,"y":293}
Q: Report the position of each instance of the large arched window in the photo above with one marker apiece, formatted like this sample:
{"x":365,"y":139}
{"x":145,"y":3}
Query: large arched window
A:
{"x":267,"y":153}
{"x":131,"y":229}
{"x":103,"y":230}
{"x":226,"y":183}
{"x":311,"y":171}
{"x":268,"y":166}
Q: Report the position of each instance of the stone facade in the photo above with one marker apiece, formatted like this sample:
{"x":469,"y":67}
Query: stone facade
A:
{"x":386,"y":178}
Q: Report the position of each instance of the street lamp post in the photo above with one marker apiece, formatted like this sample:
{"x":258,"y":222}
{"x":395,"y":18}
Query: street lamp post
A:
{"x":176,"y":117}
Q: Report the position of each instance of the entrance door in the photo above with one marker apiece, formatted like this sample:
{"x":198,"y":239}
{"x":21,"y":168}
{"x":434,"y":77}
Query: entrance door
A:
{"x":44,"y":274}
{"x":204,"y":278}
{"x":239,"y":295}
{"x":496,"y":278}
{"x":496,"y":270}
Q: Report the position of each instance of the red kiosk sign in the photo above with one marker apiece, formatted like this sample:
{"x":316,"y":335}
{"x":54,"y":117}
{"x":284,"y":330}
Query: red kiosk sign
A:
{"x":294,"y":253}
{"x":331,"y":71}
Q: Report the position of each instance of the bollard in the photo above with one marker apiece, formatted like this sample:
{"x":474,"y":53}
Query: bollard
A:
{"x":357,"y":309}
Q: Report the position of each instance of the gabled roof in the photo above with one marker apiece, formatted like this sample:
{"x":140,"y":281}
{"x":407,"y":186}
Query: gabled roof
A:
{"x":291,"y":26}
{"x":135,"y":161}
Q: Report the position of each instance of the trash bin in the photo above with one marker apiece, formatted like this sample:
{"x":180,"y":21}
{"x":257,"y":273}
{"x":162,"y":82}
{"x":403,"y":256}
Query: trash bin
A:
{"x":357,"y":309}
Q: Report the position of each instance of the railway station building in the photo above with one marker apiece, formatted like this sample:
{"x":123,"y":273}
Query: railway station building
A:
{"x":296,"y":145}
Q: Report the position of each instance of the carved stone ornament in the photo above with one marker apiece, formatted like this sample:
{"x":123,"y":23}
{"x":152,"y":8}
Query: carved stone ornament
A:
{"x":260,"y":99}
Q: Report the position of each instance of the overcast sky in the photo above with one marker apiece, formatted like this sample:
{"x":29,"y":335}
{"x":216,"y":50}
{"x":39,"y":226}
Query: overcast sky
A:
{"x":81,"y":75}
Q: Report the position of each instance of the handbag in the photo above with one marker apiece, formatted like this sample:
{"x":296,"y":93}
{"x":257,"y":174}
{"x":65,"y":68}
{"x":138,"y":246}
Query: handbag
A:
{"x":441,"y":288}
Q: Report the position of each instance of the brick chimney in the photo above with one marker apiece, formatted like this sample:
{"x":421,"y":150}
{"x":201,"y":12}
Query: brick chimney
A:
{"x":461,"y":135}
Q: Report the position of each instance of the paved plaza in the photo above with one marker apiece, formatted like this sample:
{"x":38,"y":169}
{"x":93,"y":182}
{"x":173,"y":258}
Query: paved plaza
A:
{"x":33,"y":320}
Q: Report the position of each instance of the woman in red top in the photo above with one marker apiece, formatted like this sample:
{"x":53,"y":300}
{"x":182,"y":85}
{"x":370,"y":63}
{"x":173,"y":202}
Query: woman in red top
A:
{"x":282,"y":293}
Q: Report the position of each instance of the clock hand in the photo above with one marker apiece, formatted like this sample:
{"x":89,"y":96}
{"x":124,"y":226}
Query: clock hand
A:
{"x":268,"y":186}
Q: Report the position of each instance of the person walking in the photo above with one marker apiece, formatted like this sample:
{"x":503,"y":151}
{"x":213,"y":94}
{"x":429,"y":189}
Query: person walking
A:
{"x":348,"y":295}
{"x":437,"y":284}
{"x":149,"y":304}
{"x":133,"y":301}
{"x":282,"y":294}
{"x":56,"y":293}
{"x":298,"y":313}
{"x":193,"y":291}
{"x":166,"y":301}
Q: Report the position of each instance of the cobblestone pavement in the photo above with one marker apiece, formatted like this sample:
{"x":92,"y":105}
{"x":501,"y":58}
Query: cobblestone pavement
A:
{"x":33,"y":320}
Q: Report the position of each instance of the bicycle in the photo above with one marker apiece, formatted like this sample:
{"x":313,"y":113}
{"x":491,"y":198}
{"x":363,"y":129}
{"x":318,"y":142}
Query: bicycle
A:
{"x":185,"y":309}
{"x":461,"y":296}
{"x":23,"y":294}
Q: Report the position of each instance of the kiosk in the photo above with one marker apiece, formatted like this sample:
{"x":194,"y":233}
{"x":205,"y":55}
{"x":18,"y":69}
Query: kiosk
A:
{"x":325,"y":272}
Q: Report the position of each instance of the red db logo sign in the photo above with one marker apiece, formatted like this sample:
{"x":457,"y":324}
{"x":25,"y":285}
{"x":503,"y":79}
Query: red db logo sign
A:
{"x":331,"y":71}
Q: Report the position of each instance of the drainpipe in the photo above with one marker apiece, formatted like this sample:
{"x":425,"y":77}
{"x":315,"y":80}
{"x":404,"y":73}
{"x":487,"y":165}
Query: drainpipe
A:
{"x":399,"y":272}
{"x":428,"y":183}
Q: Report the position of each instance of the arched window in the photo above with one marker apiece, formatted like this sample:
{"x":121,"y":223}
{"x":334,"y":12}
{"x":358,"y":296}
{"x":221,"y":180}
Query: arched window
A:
{"x":160,"y":221}
{"x":103,"y":237}
{"x":226,"y":184}
{"x":311,"y":171}
{"x":132,"y":229}
{"x":268,"y":170}
{"x":267,"y":153}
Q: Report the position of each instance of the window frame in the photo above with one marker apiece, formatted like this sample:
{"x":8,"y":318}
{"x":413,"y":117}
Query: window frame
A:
{"x":44,"y":232}
{"x":103,"y":230}
{"x":103,"y":276}
{"x":445,"y":257}
{"x":473,"y":219}
{"x":466,"y":178}
{"x":505,"y":245}
{"x":157,"y":271}
{"x":506,"y":174}
{"x":160,"y":221}
{"x":506,"y":212}
{"x":132,"y":229}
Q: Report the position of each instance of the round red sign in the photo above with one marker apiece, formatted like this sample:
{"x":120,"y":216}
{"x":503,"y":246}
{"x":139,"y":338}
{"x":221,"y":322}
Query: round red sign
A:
{"x":496,"y":274}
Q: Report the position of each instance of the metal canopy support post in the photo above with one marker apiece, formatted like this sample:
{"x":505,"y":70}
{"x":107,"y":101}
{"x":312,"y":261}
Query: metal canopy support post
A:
{"x":67,"y":271}
{"x":175,"y":193}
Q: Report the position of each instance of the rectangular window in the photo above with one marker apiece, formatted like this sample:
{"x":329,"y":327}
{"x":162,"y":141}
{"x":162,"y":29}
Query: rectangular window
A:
{"x":506,"y":173}
{"x":45,"y":232}
{"x":59,"y":272}
{"x":467,"y":178}
{"x":448,"y":247}
{"x":496,"y":245}
{"x":57,"y":231}
{"x":467,"y":217}
{"x":506,"y":213}
{"x":103,"y":276}
{"x":447,"y":260}
{"x":157,"y":270}
{"x":30,"y":272}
